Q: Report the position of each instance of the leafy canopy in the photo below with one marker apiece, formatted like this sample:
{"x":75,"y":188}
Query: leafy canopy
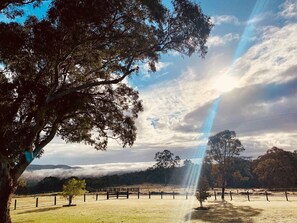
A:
{"x":64,"y":75}
{"x":276,"y":168}
{"x":223,"y":148}
{"x":72,"y":188}
{"x":202,"y":193}
{"x":166,"y":159}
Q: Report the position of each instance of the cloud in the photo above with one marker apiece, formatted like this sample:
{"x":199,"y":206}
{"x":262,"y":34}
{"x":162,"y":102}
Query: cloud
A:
{"x":215,"y":41}
{"x":273,"y":59}
{"x":263,"y":106}
{"x":261,"y":109}
{"x":289,"y":9}
{"x":225,"y":19}
{"x":265,"y":115}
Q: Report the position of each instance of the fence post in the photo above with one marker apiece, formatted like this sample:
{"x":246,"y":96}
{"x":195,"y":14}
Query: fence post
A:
{"x":286,"y":195}
{"x":266,"y":194}
{"x":138,"y":194}
{"x":96,"y":197}
{"x":107,"y":195}
{"x":37,"y":202}
{"x":15,"y":204}
{"x":173,"y":195}
{"x":149,"y":195}
{"x":215,"y":195}
{"x":161,"y":194}
{"x":55,"y":200}
{"x":187,"y":195}
{"x":231,"y":195}
{"x":84,"y":197}
{"x":248,"y":195}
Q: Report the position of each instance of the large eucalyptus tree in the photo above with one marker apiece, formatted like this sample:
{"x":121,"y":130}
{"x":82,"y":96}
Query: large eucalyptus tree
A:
{"x":223,"y":148}
{"x":62,"y":75}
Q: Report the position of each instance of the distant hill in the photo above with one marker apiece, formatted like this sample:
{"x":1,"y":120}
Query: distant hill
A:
{"x":33,"y":167}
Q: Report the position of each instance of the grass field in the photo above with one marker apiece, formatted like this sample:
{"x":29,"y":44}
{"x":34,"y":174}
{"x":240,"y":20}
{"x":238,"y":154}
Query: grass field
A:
{"x":156,"y":210}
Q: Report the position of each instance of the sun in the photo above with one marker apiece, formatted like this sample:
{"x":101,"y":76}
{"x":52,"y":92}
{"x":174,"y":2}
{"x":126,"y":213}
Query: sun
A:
{"x":225,"y":83}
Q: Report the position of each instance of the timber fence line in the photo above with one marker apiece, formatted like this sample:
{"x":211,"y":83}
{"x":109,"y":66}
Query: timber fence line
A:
{"x":52,"y":200}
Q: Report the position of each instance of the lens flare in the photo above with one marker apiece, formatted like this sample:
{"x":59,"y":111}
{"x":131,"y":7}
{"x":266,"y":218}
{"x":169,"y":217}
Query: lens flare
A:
{"x":225,"y":84}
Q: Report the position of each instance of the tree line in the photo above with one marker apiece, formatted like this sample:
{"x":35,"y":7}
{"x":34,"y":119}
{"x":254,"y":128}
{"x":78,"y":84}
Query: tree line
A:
{"x":276,"y":168}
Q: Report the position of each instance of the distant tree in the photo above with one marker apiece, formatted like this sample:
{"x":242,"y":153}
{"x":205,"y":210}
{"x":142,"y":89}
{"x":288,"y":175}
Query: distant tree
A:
{"x":202,"y":193}
{"x":165,"y":161}
{"x":63,"y":75}
{"x":276,"y":168}
{"x":241,"y":173}
{"x":223,"y":147}
{"x":188,"y":163}
{"x":72,"y":188}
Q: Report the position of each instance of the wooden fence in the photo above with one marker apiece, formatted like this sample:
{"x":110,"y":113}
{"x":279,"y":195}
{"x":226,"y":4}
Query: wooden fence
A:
{"x":55,"y":199}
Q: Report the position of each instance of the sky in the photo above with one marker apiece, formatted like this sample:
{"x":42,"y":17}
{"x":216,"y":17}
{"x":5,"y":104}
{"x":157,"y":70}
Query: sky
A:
{"x":251,"y":66}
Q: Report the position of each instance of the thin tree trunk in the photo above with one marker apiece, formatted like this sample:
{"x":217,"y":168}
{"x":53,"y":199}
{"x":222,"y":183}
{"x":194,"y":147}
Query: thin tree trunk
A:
{"x":70,"y":200}
{"x":7,"y":188}
{"x":223,"y":193}
{"x":201,"y":205}
{"x":223,"y":186}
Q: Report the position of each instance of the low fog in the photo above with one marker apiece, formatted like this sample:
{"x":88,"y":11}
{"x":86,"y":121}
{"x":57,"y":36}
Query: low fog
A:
{"x":86,"y":170}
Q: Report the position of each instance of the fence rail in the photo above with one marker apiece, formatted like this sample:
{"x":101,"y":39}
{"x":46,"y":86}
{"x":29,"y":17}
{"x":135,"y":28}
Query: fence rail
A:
{"x":37,"y":201}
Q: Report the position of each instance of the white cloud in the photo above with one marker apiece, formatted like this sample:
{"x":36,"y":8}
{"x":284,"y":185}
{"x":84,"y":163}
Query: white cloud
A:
{"x":215,"y":41}
{"x":225,"y":19}
{"x":175,"y":110}
{"x":272,"y":59}
{"x":289,"y":9}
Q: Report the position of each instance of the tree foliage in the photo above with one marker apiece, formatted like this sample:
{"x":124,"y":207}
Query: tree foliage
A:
{"x":12,"y":9}
{"x":72,"y":188}
{"x":276,"y":169}
{"x":166,"y":159}
{"x":63,"y":75}
{"x":202,"y":193}
{"x":188,"y":163}
{"x":223,"y":147}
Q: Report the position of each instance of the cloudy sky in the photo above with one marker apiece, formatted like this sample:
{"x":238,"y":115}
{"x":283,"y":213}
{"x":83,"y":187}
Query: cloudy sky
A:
{"x":250,"y":70}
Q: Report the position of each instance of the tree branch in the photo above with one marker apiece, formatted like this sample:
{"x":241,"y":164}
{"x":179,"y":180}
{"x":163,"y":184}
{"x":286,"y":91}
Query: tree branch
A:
{"x":93,"y":84}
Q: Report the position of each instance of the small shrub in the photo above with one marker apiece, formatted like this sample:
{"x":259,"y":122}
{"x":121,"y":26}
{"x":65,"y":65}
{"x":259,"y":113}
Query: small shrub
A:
{"x":72,"y":188}
{"x":202,"y":193}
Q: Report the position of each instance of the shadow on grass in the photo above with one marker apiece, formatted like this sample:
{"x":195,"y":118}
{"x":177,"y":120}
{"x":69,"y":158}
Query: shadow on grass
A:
{"x":224,"y":212}
{"x":39,"y":210}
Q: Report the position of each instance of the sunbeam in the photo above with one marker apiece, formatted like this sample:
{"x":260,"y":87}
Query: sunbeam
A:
{"x":192,"y":177}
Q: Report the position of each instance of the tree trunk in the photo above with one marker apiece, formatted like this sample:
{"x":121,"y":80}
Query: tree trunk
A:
{"x":223,"y":193}
{"x":223,"y":186}
{"x":70,"y":200}
{"x":7,"y":188}
{"x":201,"y":205}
